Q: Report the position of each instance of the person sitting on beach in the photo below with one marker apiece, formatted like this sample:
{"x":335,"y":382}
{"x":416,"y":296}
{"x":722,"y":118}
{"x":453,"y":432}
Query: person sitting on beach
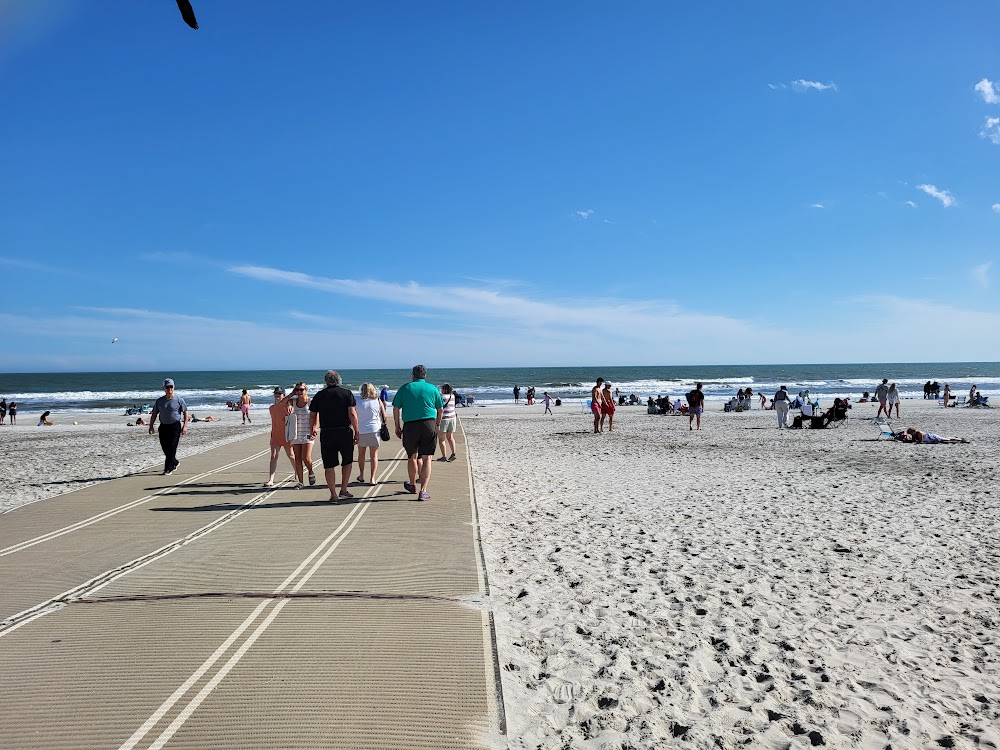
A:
{"x":139,"y":421}
{"x":651,"y":407}
{"x":44,"y":421}
{"x":679,"y":408}
{"x":913,"y":435}
{"x":865,"y":398}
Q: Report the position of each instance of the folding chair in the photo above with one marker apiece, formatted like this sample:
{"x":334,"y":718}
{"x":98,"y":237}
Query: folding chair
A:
{"x":884,"y":431}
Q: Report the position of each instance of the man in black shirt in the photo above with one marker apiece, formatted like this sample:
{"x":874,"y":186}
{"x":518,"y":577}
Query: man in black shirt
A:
{"x":696,"y":405}
{"x":333,"y":409}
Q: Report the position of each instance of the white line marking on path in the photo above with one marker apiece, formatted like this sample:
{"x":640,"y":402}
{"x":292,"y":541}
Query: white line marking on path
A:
{"x":98,"y":582}
{"x":336,"y":538}
{"x":121,"y":508}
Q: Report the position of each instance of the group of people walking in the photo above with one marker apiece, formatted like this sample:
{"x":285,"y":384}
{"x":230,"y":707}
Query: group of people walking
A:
{"x":423,"y":417}
{"x":6,"y":409}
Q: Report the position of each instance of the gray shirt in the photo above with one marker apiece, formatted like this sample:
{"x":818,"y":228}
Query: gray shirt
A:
{"x":781,"y":395}
{"x":881,"y":392}
{"x":171,"y":410}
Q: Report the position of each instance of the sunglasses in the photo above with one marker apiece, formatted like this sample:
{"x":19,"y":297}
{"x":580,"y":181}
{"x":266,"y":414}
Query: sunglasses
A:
{"x":299,"y":390}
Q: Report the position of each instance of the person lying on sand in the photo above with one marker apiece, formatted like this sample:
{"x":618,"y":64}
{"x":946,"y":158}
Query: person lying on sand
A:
{"x":209,"y":418}
{"x":913,"y":435}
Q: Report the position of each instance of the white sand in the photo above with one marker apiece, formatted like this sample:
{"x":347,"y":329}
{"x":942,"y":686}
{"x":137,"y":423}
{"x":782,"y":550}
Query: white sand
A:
{"x":40,"y":462}
{"x":742,"y":586}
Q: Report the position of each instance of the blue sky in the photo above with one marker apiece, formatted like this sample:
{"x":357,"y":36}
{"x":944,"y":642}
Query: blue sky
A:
{"x":362,"y":184}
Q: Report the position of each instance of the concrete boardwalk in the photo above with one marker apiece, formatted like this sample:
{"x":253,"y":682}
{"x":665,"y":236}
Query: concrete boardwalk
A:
{"x":202,"y":610}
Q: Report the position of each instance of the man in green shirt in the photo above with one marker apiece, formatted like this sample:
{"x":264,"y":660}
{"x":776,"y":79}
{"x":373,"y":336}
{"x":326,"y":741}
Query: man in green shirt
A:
{"x":421,"y":407}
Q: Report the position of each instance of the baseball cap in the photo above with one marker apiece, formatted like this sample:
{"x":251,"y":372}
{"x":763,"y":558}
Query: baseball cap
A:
{"x":279,"y":389}
{"x":168,"y":383}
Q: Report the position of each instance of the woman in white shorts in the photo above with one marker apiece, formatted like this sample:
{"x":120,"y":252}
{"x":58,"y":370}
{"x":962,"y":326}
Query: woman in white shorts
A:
{"x":893,"y":399}
{"x":371,"y":417}
{"x":302,"y":444}
{"x":446,"y":433}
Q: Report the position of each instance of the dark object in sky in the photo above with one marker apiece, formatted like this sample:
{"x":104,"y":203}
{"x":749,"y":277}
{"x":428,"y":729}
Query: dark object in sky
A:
{"x":187,"y":13}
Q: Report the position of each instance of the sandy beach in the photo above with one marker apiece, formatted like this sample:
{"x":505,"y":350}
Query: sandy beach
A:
{"x":40,"y":462}
{"x":741,"y":586}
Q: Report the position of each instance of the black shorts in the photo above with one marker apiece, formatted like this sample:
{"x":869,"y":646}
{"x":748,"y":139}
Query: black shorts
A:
{"x":336,"y":446}
{"x":420,"y":437}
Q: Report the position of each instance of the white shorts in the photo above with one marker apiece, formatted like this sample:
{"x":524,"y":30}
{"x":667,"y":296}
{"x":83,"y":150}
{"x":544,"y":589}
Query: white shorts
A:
{"x":448,"y":425}
{"x":368,"y":440}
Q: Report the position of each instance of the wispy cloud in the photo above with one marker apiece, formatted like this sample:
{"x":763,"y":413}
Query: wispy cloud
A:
{"x":911,"y":204}
{"x":584,"y":214}
{"x":28,"y":265}
{"x":946,"y":198}
{"x":988,"y":91}
{"x":996,"y":207}
{"x":991,"y":130}
{"x":803,"y":85}
{"x":981,"y":273}
{"x":817,"y":205}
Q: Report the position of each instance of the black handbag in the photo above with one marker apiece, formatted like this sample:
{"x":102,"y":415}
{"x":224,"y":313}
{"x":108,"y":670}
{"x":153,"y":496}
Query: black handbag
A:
{"x":384,"y":432}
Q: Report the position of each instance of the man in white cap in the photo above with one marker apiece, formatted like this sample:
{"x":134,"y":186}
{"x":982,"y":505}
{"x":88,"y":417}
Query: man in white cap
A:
{"x":173,"y":414}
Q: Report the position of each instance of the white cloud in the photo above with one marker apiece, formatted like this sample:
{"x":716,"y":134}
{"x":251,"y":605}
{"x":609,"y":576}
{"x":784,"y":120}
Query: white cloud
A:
{"x":988,"y":92}
{"x":585,"y":214}
{"x":981,"y":273}
{"x":803,"y":85}
{"x":996,"y":207}
{"x":946,"y":198}
{"x":991,"y":130}
{"x":911,"y":204}
{"x":817,"y":205}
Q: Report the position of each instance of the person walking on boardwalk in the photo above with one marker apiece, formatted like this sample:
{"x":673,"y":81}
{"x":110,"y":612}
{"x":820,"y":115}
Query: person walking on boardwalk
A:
{"x":547,"y":400}
{"x":696,"y":405}
{"x":596,"y":399}
{"x":245,"y":402}
{"x":173,"y":414}
{"x":279,"y":411}
{"x":446,"y":435}
{"x":882,"y":396}
{"x":335,"y":410}
{"x":421,"y":408}
{"x":371,"y":417}
{"x":781,"y":402}
{"x":301,"y":437}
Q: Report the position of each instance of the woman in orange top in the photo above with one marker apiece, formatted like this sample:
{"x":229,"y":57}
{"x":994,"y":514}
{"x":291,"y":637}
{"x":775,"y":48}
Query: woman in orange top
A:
{"x":280,"y":409}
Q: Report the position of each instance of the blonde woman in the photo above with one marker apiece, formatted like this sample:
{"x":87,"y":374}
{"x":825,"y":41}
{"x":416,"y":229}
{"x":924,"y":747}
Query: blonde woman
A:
{"x":302,"y":443}
{"x":371,"y":417}
{"x":446,"y":435}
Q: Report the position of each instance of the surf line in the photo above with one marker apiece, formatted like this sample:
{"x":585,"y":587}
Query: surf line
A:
{"x":98,"y":582}
{"x":322,"y":552}
{"x":121,"y":508}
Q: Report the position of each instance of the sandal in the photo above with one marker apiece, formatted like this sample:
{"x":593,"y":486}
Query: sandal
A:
{"x":345,"y":493}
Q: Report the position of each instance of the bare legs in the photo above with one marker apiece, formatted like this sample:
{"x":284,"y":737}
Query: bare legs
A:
{"x":275,"y":452}
{"x":446,"y":440}
{"x":897,"y":410}
{"x":303,"y":456}
{"x":419,"y":471}
{"x":361,"y":463}
{"x":331,"y":479}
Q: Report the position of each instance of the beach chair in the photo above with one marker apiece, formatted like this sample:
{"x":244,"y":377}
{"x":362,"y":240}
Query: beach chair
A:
{"x":884,"y":430}
{"x":585,"y":406}
{"x":960,"y":401}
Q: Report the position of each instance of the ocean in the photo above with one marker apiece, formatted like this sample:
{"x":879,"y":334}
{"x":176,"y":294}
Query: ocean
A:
{"x":209,"y":390}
